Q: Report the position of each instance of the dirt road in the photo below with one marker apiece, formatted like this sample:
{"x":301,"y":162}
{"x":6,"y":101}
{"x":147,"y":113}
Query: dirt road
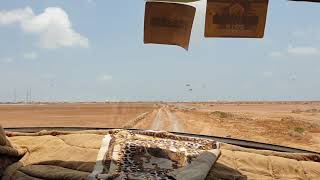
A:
{"x":166,"y":120}
{"x":158,"y":121}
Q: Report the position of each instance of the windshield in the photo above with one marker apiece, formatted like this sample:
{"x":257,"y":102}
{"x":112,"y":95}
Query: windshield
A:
{"x":85,"y":64}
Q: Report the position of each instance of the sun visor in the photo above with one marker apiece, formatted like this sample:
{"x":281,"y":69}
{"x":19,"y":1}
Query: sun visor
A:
{"x":236,"y":18}
{"x":168,"y":23}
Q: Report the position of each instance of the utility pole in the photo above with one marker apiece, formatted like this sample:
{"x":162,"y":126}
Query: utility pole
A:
{"x":27,"y":97}
{"x":30,"y":97}
{"x":14,"y":95}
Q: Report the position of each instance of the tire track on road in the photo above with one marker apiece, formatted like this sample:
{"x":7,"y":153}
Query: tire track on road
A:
{"x":166,"y":120}
{"x":174,"y":122}
{"x":158,"y":121}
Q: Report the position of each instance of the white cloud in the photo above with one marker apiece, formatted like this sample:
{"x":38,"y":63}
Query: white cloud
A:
{"x":6,"y":60}
{"x":105,"y":77}
{"x":48,"y":76}
{"x":267,"y":74}
{"x":299,"y":33}
{"x":15,"y":16}
{"x":293,"y":77}
{"x":277,"y":54}
{"x":30,"y":55}
{"x":303,"y":50}
{"x":52,"y":26}
{"x":307,"y":33}
{"x":296,"y":51}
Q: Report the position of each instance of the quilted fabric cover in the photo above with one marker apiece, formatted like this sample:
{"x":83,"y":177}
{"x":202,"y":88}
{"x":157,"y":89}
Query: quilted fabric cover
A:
{"x":154,"y":155}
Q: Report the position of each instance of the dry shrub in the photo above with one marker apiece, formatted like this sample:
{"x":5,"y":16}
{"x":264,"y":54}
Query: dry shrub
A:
{"x":297,"y":133}
{"x":287,"y":118}
{"x":297,"y":111}
{"x":312,"y":111}
{"x":299,"y":130}
{"x":222,"y":114}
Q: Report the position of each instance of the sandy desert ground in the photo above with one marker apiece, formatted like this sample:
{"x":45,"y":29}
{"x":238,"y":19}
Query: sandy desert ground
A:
{"x":294,"y":124}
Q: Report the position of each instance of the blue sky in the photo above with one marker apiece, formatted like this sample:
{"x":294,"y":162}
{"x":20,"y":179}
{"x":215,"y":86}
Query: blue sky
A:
{"x":92,"y":50}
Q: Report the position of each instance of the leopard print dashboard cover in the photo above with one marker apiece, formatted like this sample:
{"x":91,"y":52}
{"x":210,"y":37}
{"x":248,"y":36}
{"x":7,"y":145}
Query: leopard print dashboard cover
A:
{"x":148,"y":155}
